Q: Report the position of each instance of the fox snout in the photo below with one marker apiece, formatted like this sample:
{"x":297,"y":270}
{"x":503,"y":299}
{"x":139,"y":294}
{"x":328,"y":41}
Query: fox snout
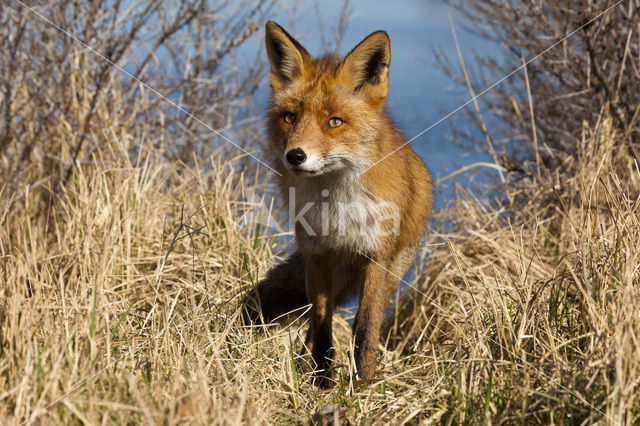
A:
{"x":304,"y":161}
{"x":296,"y":156}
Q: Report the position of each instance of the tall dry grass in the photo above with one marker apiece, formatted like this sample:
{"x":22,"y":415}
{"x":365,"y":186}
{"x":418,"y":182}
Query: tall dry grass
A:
{"x":132,"y":276}
{"x":121,"y":305}
{"x":529,"y":308}
{"x":119,"y":295}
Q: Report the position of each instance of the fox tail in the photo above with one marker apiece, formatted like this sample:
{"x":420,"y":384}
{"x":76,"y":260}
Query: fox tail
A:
{"x":282,"y":291}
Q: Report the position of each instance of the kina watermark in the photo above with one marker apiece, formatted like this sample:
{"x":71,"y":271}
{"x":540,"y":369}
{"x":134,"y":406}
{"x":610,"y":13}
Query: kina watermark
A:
{"x":323,"y":213}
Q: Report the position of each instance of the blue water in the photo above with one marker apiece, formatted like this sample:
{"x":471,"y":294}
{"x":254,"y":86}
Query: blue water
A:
{"x":420,"y":94}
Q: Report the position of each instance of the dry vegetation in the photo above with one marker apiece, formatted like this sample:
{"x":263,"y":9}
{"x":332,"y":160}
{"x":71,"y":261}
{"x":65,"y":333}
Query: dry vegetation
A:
{"x":120,"y":284}
{"x":529,"y":310}
{"x":598,"y":65}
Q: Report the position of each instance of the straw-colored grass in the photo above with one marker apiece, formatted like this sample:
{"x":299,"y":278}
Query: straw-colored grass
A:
{"x":529,"y":311}
{"x":120,"y":287}
{"x":132,"y":276}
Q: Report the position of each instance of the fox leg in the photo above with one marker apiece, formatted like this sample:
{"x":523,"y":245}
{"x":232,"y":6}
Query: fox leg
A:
{"x":381,"y":279}
{"x":374,"y":297}
{"x":319,"y":286}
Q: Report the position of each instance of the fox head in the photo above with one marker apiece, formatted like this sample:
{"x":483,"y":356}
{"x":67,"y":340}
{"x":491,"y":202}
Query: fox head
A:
{"x":326,"y":114}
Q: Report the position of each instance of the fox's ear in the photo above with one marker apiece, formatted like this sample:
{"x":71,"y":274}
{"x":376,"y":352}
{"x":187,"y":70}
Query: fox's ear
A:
{"x":288,"y":59}
{"x":366,"y":67}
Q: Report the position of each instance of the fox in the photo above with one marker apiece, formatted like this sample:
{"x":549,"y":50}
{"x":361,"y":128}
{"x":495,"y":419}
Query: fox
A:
{"x":357,"y":224}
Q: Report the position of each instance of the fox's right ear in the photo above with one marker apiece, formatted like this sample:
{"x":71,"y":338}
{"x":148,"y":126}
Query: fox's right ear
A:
{"x":288,"y":59}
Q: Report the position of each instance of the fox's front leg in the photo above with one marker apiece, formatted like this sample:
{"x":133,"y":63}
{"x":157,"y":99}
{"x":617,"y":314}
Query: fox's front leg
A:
{"x":319,"y":286}
{"x":374,"y":297}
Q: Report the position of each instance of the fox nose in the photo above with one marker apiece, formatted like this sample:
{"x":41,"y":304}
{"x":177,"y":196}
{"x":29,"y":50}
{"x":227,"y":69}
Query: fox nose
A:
{"x":296,"y":156}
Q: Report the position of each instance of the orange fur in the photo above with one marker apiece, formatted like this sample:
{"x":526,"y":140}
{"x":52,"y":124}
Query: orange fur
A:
{"x":336,"y":244}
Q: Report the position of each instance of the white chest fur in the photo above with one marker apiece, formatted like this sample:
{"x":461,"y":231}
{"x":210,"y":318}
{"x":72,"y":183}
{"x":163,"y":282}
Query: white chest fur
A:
{"x":335,"y":211}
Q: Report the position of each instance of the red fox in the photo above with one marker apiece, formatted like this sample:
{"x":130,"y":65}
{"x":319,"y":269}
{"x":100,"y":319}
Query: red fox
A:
{"x":357,"y":227}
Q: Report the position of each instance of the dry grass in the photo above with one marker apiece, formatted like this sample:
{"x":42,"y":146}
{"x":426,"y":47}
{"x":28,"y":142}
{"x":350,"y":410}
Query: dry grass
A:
{"x":531,"y":311}
{"x":532,"y":304}
{"x":119,"y":292}
{"x":114,"y":280}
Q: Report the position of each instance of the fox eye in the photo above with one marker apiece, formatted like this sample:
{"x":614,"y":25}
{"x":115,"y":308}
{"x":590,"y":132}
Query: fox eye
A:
{"x":289,"y":118}
{"x":335,"y":122}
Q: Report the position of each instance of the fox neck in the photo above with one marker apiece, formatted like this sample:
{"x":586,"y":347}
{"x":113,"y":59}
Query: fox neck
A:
{"x":334,"y":212}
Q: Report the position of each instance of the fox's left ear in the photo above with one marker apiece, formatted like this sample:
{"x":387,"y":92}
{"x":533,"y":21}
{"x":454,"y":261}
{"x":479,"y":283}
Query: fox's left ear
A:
{"x":366,"y":68}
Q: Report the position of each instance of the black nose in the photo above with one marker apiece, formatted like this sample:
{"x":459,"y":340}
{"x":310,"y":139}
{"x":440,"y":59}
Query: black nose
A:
{"x":296,"y":156}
